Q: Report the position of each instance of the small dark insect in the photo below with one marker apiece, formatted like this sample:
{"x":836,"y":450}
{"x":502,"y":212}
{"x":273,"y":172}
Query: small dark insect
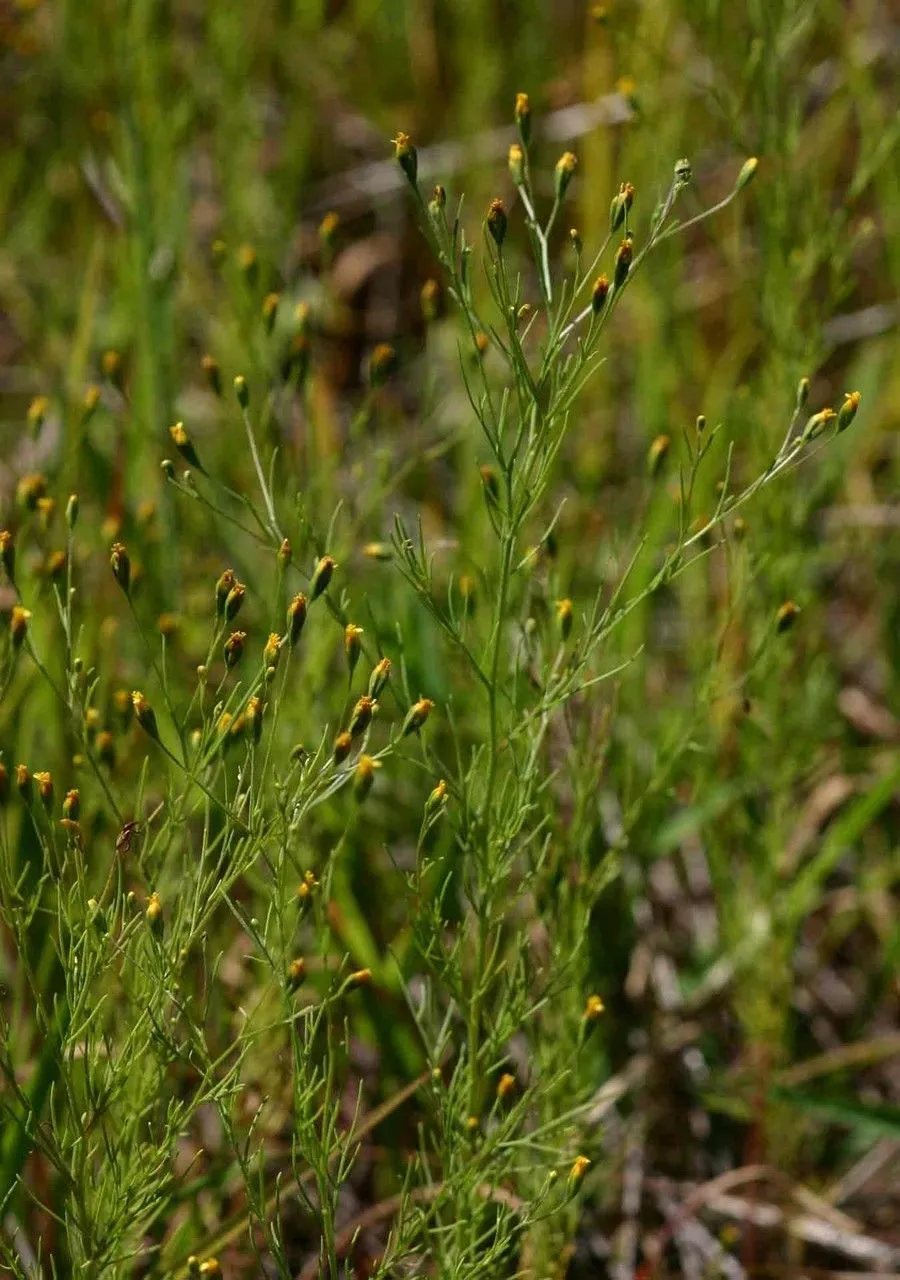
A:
{"x":125,"y":838}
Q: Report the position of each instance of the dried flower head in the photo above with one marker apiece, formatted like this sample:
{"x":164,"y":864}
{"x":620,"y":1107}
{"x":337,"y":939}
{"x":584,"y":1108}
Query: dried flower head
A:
{"x":233,"y":649}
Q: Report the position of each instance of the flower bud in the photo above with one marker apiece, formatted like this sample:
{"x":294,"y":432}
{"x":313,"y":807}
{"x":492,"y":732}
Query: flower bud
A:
{"x":593,"y":1009}
{"x":233,"y":649}
{"x":185,"y":446}
{"x":167,"y":467}
{"x":24,"y":785}
{"x":657,"y":454}
{"x":342,"y":745}
{"x":55,"y":566}
{"x":18,"y":626}
{"x":223,"y":586}
{"x":210,"y":367}
{"x":847,"y":411}
{"x":496,"y":222}
{"x":154,"y":914}
{"x":599,"y":294}
{"x":406,"y":156}
{"x":437,"y":203}
{"x":575,"y":241}
{"x":210,"y":1269}
{"x":144,"y":715}
{"x":381,"y":673}
{"x":271,"y":303}
{"x":517,"y":164}
{"x":817,"y":423}
{"x":8,"y":554}
{"x":120,"y":563}
{"x":111,"y":365}
{"x":284,"y":554}
{"x":786,"y":616}
{"x":321,"y":576}
{"x":437,"y":799}
{"x":105,"y":747}
{"x":36,"y":415}
{"x":802,"y":393}
{"x":565,"y":170}
{"x":327,"y":232}
{"x":242,"y":391}
{"x":624,"y":255}
{"x":46,"y":509}
{"x":97,"y":917}
{"x":620,"y":206}
{"x":683,"y":172}
{"x":234,"y":600}
{"x":71,"y":806}
{"x":506,"y":1086}
{"x":416,"y":717}
{"x":523,"y":118}
{"x":364,"y":777}
{"x":30,"y":489}
{"x":253,"y":719}
{"x":272,"y":650}
{"x":361,"y":978}
{"x":579,"y":1168}
{"x":352,"y":645}
{"x":89,"y":403}
{"x":429,"y":298}
{"x":564,"y":617}
{"x":306,"y":888}
{"x":361,"y":716}
{"x":248,"y":262}
{"x":296,"y":617}
{"x":377,"y":551}
{"x":45,"y":790}
{"x":296,"y":973}
{"x":748,"y":169}
{"x":72,"y":511}
{"x":490,"y":483}
{"x":382,"y":365}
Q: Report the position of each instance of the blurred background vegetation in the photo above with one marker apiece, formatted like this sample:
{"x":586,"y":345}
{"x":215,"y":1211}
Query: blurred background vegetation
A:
{"x":167,"y":165}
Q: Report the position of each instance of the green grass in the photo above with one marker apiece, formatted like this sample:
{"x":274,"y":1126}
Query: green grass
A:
{"x":300,"y":983}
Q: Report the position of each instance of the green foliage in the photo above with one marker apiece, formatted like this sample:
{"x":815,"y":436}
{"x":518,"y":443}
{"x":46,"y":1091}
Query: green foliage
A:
{"x":361,"y":711}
